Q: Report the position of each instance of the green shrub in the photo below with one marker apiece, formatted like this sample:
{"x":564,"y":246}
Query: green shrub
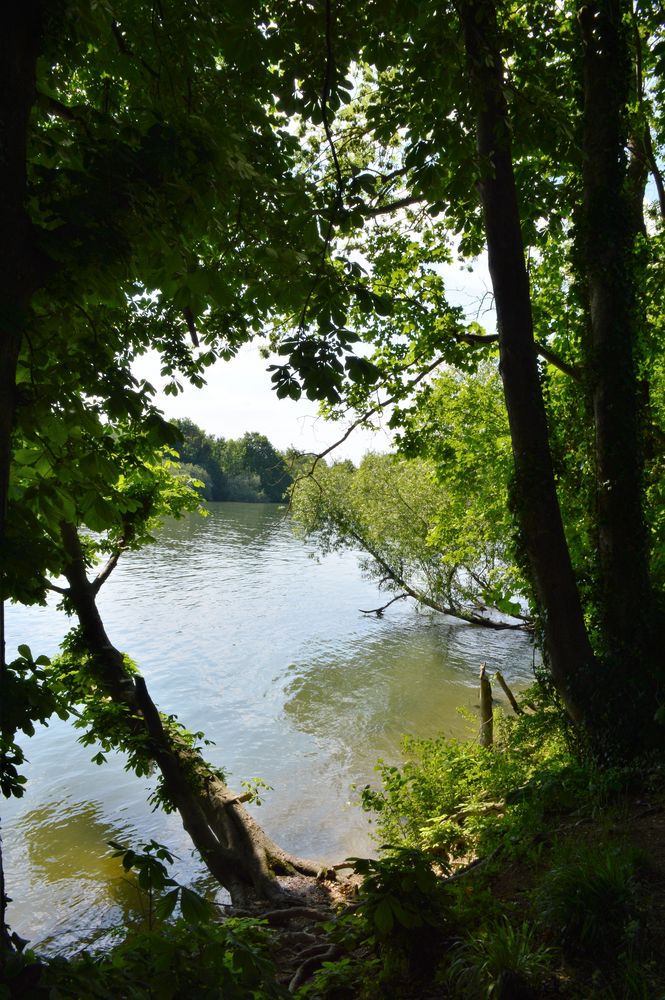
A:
{"x":450,"y":796}
{"x":502,"y":961}
{"x":395,"y":932}
{"x":177,"y":962}
{"x":402,"y":902}
{"x":354,"y":977}
{"x":159,"y":894}
{"x":589,"y":899}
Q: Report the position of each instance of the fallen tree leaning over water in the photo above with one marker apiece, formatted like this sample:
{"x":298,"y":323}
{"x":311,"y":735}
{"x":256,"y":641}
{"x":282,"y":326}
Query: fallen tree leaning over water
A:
{"x":122,"y":715}
{"x":425,"y":533}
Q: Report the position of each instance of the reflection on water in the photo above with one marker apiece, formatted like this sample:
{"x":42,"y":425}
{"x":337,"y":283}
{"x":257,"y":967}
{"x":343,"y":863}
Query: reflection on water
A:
{"x":243,"y":635}
{"x":70,"y":869}
{"x":412,"y":679}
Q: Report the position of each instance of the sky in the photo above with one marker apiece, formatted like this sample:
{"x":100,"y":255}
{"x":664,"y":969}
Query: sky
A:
{"x":238,"y":396}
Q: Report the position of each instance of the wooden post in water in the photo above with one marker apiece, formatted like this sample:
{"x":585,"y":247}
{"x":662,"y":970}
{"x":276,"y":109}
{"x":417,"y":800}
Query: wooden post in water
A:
{"x":486,"y":737}
{"x":517,"y":709}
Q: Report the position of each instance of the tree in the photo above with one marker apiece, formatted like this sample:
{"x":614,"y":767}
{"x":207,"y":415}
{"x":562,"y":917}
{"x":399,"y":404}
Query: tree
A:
{"x":134,"y":169}
{"x":118,"y":707}
{"x":246,"y":469}
{"x":254,"y":455}
{"x":152,"y":199}
{"x":530,"y":133}
{"x":435,"y":527}
{"x":197,"y":474}
{"x":112,"y":699}
{"x":298,"y":462}
{"x":156,"y":194}
{"x":197,"y":448}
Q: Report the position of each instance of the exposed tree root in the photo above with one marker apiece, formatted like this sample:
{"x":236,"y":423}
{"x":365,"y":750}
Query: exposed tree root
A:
{"x":278,"y":918}
{"x":307,"y":968}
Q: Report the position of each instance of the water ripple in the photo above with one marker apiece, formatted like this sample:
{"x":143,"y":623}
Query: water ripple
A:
{"x":244,"y":635}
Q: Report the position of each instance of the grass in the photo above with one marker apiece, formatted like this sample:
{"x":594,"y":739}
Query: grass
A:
{"x":503,"y":960}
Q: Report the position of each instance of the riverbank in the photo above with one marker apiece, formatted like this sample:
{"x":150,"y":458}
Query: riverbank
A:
{"x":549,"y":876}
{"x":521,"y":872}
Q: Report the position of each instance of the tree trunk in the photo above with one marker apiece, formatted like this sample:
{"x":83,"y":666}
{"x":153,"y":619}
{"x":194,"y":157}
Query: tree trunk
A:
{"x":612,"y":219}
{"x":486,"y":736}
{"x":5,"y":939}
{"x":19,"y":46}
{"x":569,"y":654}
{"x":238,"y":853}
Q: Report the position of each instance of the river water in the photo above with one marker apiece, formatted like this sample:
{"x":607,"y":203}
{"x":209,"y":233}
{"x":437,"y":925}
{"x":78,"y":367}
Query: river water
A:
{"x":241,"y":633}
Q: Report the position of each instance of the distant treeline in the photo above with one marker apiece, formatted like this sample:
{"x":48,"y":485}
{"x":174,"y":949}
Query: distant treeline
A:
{"x":248,"y":469}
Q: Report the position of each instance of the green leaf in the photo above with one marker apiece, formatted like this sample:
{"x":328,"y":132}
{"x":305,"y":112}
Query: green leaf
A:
{"x":382,"y":305}
{"x":194,"y":907}
{"x":383,"y":917}
{"x":166,"y":904}
{"x":128,"y":859}
{"x":25,"y":456}
{"x":406,"y":917}
{"x":362,"y":370}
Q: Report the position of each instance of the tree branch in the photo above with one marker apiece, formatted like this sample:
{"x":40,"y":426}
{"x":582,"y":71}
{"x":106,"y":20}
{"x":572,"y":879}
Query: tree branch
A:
{"x":574,"y":371}
{"x":328,"y":77}
{"x":110,"y":565}
{"x":467,"y":616}
{"x":379,"y":611}
{"x":467,"y":338}
{"x":393,"y":206}
{"x":55,"y":107}
{"x":392,"y":175}
{"x":310,"y":965}
{"x":107,"y":569}
{"x":647,"y":144}
{"x":544,"y":352}
{"x":364,"y":417}
{"x":517,"y":709}
{"x":126,"y":50}
{"x":655,"y":170}
{"x":328,"y":80}
{"x":191,"y":325}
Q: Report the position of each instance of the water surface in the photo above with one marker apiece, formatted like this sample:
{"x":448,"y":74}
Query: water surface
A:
{"x":241,"y":633}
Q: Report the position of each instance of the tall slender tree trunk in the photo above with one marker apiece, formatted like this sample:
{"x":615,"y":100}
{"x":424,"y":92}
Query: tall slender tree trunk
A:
{"x":237,"y":852}
{"x":19,"y":46}
{"x":612,"y":219}
{"x":568,"y":649}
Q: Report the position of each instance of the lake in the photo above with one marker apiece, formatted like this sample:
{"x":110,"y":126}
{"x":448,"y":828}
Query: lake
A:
{"x":243,"y":634}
